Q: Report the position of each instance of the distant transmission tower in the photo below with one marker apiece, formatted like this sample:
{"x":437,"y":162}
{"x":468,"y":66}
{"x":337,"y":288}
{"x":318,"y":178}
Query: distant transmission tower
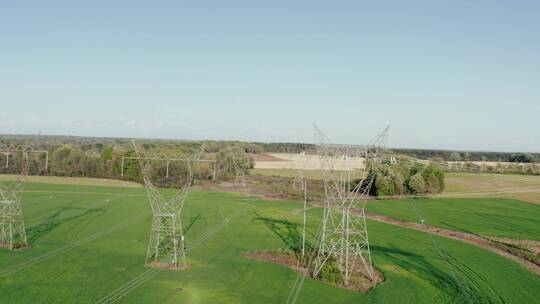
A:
{"x":344,"y":236}
{"x":12,"y":230}
{"x":166,"y":246}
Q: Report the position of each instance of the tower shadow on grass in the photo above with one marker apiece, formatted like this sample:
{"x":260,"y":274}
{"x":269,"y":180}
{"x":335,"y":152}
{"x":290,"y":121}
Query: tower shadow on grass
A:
{"x":192,"y":222}
{"x":56,"y":219}
{"x":290,"y":234}
{"x":462,"y":284}
{"x":286,"y":231}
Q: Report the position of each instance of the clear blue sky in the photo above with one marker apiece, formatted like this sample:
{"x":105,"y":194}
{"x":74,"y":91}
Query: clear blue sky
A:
{"x":445,"y":74}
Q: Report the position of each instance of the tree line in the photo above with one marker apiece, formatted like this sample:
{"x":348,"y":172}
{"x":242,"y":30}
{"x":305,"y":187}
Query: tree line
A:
{"x":396,"y":180}
{"x":102,"y":158}
{"x":425,"y":154}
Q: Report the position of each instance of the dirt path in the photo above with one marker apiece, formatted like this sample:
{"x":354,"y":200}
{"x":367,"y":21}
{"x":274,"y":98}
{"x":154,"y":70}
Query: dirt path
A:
{"x":460,"y":236}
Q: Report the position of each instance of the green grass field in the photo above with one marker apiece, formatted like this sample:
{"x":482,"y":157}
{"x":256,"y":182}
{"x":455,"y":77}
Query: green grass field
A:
{"x":88,"y":242}
{"x":490,"y":217}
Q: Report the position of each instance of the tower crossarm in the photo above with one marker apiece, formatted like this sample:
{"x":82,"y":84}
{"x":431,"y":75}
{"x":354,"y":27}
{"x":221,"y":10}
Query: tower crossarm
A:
{"x":158,"y":203}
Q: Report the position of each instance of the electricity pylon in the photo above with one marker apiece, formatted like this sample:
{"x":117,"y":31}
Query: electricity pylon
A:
{"x":344,"y":236}
{"x":12,"y":230}
{"x":166,"y":247}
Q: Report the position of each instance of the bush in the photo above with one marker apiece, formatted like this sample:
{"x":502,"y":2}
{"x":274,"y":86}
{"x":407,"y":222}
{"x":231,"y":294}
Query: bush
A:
{"x":330,"y":273}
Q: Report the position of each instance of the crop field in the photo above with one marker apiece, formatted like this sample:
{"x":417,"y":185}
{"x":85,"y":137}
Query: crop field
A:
{"x":270,"y":152}
{"x":521,"y":187}
{"x":88,"y":245}
{"x":290,"y":161}
{"x":505,"y":218}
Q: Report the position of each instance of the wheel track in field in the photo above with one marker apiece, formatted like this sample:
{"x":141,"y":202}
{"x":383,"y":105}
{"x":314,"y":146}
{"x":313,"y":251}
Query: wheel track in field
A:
{"x":459,"y":236}
{"x":68,"y":247}
{"x":478,"y":281}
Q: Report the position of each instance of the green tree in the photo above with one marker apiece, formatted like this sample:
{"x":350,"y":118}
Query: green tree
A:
{"x":522,"y":158}
{"x":384,"y":185}
{"x":107,"y":153}
{"x":254,"y":148}
{"x":434,"y":179}
{"x":232,"y":160}
{"x":388,"y":181}
{"x":66,"y":161}
{"x":399,"y":184}
{"x":455,"y":156}
{"x":417,"y":184}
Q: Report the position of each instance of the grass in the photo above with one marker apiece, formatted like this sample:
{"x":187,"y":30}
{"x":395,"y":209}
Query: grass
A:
{"x":83,"y":181}
{"x":489,"y":217}
{"x":521,"y":187}
{"x":58,"y":215}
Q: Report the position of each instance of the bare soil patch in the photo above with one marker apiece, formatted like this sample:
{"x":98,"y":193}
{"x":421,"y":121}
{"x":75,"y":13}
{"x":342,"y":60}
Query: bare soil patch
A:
{"x":277,"y":257}
{"x":359,"y":281}
{"x":167,"y":266}
{"x":307,"y":162}
{"x":266,"y":157}
{"x":267,"y":187}
{"x":16,"y":247}
{"x":531,"y":245}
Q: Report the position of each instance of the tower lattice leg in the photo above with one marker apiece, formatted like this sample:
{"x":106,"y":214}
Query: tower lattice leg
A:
{"x":345,"y":242}
{"x":12,"y":230}
{"x":166,"y":244}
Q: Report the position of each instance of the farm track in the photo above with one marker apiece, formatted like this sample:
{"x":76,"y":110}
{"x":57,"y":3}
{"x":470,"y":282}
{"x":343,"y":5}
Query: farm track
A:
{"x":466,"y":194}
{"x":459,"y":236}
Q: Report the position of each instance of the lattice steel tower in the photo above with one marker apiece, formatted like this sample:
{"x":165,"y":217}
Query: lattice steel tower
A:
{"x":344,"y":236}
{"x":12,"y":230}
{"x":166,"y":245}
